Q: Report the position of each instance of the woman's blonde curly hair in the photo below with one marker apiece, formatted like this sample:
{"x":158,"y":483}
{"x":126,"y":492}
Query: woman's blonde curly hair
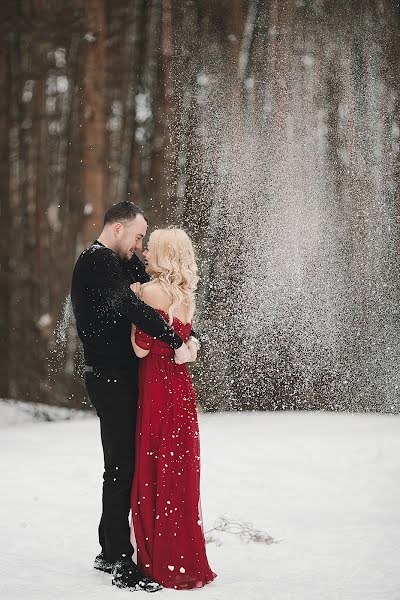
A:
{"x":174,"y":267}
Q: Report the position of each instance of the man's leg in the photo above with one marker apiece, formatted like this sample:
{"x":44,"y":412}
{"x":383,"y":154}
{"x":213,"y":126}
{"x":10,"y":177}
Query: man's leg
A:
{"x":102,"y":540}
{"x":114,"y":395}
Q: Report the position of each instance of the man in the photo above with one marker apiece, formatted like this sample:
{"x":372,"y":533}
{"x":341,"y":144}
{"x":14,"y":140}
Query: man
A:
{"x":104,"y":308}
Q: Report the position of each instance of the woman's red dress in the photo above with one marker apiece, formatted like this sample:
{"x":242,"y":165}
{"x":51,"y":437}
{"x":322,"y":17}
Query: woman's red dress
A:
{"x":166,"y":514}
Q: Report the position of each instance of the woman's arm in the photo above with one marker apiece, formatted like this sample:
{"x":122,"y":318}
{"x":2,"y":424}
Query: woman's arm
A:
{"x":140,"y":352}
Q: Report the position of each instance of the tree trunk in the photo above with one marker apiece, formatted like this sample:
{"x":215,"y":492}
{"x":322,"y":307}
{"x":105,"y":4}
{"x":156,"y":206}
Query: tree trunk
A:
{"x":5,"y":224}
{"x":93,"y":124}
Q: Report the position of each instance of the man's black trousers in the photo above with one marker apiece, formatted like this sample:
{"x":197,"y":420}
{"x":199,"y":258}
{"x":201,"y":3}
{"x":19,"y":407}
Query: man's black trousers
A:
{"x":114,"y":394}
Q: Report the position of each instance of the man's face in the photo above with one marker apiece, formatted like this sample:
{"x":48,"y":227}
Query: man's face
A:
{"x":129,"y":236}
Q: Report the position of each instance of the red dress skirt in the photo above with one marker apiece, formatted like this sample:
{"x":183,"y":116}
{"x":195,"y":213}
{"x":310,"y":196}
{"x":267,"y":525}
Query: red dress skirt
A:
{"x":166,"y":513}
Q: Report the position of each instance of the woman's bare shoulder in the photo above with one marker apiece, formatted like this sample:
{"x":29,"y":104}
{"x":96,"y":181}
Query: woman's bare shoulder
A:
{"x":155,"y":296}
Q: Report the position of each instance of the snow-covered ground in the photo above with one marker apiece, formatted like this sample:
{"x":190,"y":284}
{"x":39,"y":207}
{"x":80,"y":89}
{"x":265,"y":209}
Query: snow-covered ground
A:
{"x":326,"y":486}
{"x":13,"y":412}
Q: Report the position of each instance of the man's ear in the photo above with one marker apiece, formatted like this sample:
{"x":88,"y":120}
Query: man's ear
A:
{"x":117,"y":227}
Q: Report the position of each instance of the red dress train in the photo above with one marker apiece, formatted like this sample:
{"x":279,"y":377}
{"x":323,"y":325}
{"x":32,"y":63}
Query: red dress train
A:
{"x":166,"y":513}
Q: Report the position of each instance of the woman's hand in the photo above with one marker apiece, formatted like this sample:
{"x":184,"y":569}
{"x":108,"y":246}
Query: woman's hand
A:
{"x":136,"y":287}
{"x":193,"y":346}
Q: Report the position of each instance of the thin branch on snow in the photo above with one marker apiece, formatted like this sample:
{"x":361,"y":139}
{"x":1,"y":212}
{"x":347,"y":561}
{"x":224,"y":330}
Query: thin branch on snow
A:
{"x":244,"y":530}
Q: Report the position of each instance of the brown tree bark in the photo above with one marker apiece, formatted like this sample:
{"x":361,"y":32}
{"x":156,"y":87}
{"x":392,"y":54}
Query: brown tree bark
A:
{"x":5,"y":224}
{"x":93,"y":122}
{"x":166,"y":104}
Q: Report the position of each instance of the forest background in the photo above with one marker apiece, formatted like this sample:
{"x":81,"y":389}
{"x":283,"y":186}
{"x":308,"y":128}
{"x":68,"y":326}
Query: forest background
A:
{"x":269,"y":130}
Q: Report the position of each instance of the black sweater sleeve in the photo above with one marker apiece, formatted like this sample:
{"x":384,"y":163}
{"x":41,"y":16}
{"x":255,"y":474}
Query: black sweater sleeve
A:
{"x":107,"y":276}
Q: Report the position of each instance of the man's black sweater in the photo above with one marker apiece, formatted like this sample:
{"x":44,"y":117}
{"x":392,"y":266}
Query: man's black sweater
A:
{"x":105,"y":307}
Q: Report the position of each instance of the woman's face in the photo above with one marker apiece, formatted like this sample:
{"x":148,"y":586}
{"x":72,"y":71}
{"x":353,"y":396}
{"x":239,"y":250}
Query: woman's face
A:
{"x":148,"y":258}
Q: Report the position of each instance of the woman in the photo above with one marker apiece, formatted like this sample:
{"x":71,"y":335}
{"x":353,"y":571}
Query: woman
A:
{"x":166,"y":515}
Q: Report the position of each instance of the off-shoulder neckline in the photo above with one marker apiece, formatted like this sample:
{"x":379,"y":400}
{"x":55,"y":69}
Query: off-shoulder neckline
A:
{"x":160,"y":310}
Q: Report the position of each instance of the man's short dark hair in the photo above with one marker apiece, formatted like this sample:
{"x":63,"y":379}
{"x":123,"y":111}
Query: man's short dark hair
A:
{"x":123,"y":211}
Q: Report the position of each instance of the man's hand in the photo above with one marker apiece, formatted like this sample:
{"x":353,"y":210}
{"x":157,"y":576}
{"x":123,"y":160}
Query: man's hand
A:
{"x":182,"y":355}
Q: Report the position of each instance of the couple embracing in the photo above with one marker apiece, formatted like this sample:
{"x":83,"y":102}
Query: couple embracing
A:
{"x":134,"y":321}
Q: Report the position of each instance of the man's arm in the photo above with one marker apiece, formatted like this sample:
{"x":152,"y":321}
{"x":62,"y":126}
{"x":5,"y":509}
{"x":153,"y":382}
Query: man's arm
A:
{"x":109,"y":279}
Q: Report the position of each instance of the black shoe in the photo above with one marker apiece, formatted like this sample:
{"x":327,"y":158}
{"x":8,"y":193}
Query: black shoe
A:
{"x":102,"y":564}
{"x":127,"y":575}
